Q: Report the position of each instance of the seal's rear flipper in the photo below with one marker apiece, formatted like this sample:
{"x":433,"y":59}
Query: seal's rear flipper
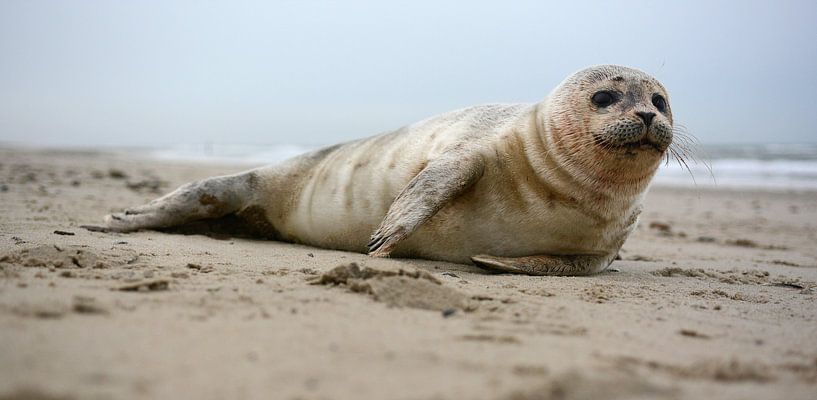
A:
{"x":204,"y":199}
{"x":544,"y":264}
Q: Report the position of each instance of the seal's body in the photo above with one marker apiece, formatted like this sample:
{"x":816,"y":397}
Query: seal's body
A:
{"x":549,"y":188}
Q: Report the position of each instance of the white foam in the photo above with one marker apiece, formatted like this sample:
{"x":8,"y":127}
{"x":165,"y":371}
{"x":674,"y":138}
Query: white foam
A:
{"x":232,"y":154}
{"x":743,"y":173}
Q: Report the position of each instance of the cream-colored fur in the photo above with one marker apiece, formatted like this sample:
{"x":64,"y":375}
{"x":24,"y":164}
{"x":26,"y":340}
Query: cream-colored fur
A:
{"x":558,"y":180}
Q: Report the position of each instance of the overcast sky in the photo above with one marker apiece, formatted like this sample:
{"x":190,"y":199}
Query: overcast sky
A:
{"x":317,"y":72}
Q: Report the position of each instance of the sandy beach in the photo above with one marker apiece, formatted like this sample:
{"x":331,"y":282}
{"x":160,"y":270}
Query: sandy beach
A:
{"x":714,"y":297}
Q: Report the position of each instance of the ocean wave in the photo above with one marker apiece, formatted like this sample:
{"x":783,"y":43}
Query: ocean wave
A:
{"x":232,"y":153}
{"x":741,"y":173}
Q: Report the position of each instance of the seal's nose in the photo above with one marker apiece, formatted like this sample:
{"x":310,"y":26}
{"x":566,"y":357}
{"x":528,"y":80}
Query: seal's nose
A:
{"x":646,"y":116}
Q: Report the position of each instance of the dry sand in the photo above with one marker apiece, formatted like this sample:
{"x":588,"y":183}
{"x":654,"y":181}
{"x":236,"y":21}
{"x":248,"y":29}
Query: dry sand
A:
{"x":714,"y":298}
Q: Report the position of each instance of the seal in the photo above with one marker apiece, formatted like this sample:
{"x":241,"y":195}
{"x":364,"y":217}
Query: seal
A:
{"x":552,"y":188}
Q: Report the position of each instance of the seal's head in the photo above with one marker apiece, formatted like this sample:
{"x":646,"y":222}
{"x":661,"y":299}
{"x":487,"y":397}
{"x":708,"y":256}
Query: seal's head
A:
{"x":614,"y":122}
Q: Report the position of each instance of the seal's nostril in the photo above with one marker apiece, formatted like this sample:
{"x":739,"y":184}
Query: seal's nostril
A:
{"x":646,"y":116}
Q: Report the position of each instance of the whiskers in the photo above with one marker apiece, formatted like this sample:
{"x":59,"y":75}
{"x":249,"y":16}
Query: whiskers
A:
{"x":685,"y":149}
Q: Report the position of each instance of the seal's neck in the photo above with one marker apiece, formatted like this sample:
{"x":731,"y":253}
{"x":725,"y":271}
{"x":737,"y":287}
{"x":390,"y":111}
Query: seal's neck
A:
{"x":569,"y":166}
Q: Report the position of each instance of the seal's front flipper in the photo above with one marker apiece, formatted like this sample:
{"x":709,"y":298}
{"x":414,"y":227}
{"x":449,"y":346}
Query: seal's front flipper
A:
{"x":208,"y":198}
{"x":442,"y":180}
{"x":545,"y":264}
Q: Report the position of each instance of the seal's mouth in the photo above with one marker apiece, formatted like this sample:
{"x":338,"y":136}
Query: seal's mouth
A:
{"x":631,"y":148}
{"x":643,"y":144}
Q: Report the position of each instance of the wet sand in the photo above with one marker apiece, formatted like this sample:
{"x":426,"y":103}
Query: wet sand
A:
{"x":714,"y":297}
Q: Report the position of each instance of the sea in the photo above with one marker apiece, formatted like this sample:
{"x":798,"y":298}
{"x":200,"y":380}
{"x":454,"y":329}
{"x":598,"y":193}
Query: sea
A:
{"x":778,"y":167}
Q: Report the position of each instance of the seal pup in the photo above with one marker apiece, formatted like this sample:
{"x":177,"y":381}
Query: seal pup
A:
{"x":552,"y":188}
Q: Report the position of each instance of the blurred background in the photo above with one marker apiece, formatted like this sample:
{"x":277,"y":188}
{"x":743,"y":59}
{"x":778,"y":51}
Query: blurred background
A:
{"x":258,"y":81}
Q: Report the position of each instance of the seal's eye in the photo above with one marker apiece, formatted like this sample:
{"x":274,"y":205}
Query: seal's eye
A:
{"x":659,"y":102}
{"x":603,"y":98}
